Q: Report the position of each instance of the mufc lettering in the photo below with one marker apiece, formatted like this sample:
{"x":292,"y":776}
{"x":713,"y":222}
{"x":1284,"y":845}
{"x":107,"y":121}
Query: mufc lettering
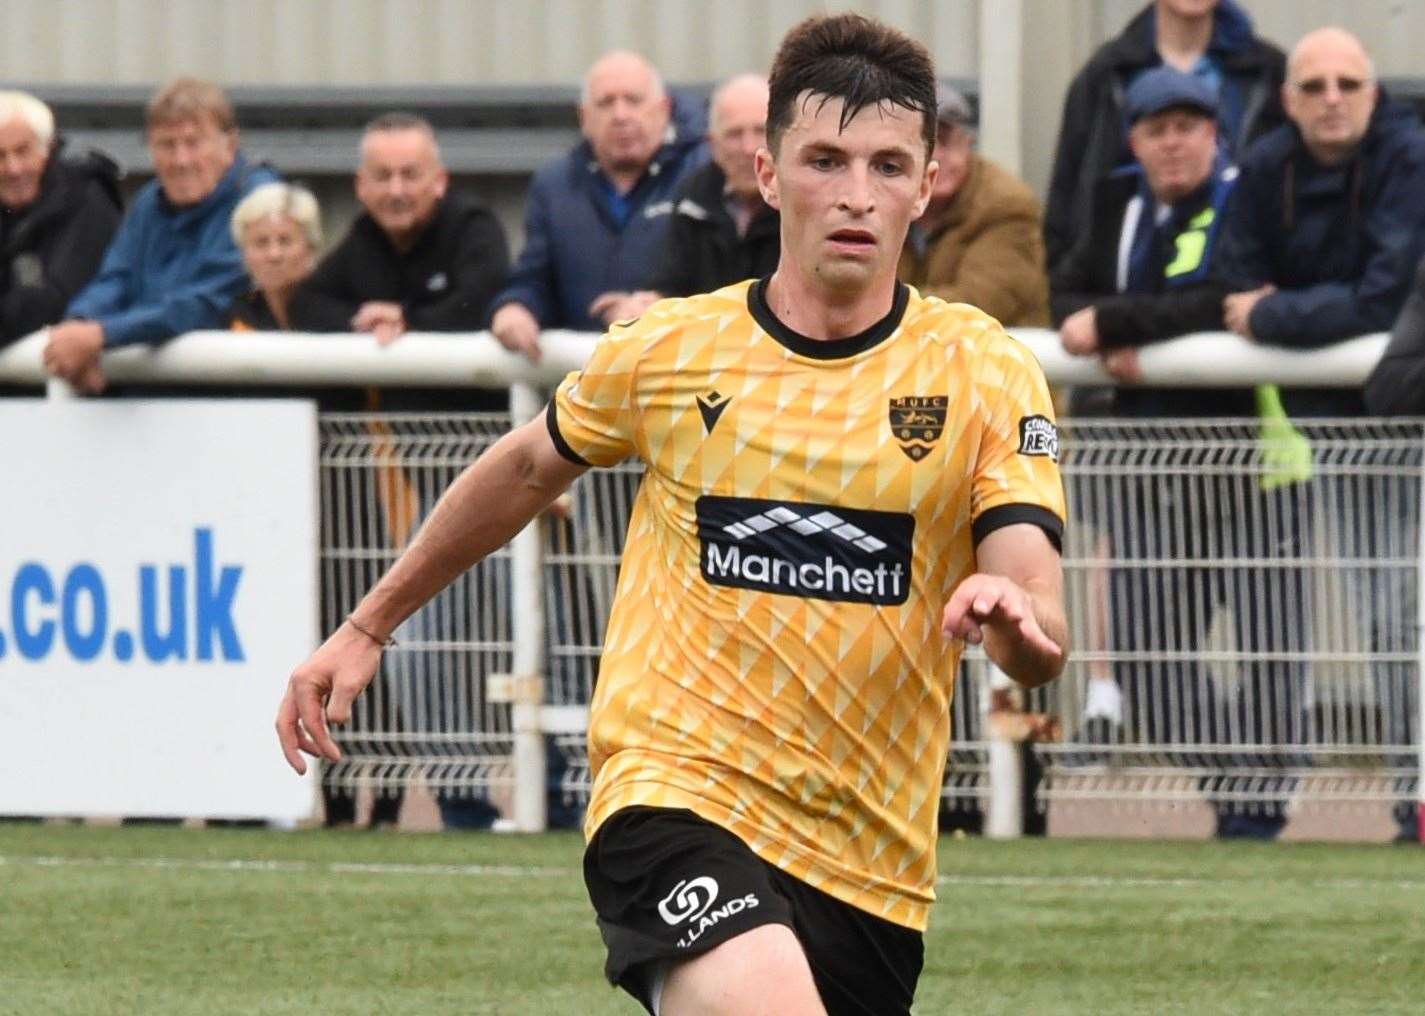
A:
{"x":917,"y":422}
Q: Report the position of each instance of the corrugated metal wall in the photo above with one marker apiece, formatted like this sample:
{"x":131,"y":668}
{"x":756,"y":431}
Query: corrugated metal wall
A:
{"x":357,"y":42}
{"x":1389,"y":28}
{"x":350,"y":42}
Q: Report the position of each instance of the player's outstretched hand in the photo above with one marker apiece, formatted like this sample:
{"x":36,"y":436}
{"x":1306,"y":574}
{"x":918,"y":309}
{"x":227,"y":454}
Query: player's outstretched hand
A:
{"x":321,"y":691}
{"x":999,"y":607}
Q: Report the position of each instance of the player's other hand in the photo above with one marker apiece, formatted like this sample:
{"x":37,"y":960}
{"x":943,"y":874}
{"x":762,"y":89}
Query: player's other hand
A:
{"x":997,"y":608}
{"x":321,"y":691}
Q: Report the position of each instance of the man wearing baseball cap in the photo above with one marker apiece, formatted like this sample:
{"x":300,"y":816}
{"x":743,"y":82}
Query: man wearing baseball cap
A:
{"x":981,"y":238}
{"x":1142,"y":274}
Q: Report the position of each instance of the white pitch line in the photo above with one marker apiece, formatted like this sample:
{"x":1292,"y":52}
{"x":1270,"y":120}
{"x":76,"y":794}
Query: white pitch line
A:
{"x":531,"y":871}
{"x":1130,"y":882}
{"x":331,"y":867}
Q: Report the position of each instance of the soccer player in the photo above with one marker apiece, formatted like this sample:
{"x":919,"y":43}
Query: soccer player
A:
{"x":845,"y":483}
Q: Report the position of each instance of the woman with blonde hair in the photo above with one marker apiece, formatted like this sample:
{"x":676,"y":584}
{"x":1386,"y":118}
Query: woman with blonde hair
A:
{"x":278,"y":229}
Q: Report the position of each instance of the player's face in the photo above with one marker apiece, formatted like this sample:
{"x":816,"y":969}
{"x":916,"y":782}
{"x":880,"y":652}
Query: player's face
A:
{"x":1176,"y":148}
{"x":22,"y":163}
{"x":400,"y":181}
{"x":190,"y":157}
{"x":276,"y":253}
{"x":846,"y":196}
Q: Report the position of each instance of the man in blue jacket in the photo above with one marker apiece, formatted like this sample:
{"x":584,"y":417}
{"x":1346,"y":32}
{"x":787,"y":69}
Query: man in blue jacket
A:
{"x":596,"y":219}
{"x":173,"y":266}
{"x":1328,"y":223}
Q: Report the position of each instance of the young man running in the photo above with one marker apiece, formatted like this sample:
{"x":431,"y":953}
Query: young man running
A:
{"x":845,"y":483}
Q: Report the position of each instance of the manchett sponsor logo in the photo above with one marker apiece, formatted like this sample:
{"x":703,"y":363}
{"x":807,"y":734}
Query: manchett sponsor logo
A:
{"x":822,"y":552}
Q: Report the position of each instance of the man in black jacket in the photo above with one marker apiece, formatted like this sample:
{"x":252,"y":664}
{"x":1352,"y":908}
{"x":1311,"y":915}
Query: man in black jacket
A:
{"x":1145,"y":274}
{"x":1143,"y":270}
{"x":419,"y":258}
{"x":57,"y":215}
{"x":1213,"y":41}
{"x":722,"y":231}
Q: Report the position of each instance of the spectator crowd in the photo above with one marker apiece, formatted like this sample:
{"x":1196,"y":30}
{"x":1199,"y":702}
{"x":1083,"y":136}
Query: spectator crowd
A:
{"x":1203,"y":180}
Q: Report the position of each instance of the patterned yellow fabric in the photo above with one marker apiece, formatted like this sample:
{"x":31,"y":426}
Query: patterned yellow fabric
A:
{"x":773,"y":661}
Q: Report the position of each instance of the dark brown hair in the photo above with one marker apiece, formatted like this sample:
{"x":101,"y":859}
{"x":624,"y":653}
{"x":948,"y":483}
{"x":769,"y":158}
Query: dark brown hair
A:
{"x":852,"y":58}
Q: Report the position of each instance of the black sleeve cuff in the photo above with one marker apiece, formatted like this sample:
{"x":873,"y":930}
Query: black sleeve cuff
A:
{"x":560,"y":445}
{"x":1010,"y":514}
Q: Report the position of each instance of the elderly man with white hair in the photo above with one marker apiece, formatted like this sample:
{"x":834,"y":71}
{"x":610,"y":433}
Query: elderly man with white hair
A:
{"x":57,"y":215}
{"x":595,"y":219}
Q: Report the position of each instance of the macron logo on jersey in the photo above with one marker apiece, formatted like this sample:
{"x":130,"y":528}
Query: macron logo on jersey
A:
{"x":820,"y":552}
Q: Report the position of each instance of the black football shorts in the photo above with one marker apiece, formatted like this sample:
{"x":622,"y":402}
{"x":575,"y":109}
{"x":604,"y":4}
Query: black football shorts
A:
{"x":668,"y":885}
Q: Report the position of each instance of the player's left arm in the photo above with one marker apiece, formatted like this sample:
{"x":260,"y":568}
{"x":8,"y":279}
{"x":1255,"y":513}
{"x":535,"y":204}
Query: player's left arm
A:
{"x":1014,"y":604}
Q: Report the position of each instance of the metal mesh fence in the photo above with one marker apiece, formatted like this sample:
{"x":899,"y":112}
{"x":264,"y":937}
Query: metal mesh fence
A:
{"x":428,"y":716}
{"x":1248,"y":600}
{"x":1243,"y":605}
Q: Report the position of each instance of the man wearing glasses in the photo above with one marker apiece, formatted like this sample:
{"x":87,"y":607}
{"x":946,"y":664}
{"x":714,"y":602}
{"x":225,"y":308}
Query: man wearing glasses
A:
{"x":1326,"y":229}
{"x":1328,"y":223}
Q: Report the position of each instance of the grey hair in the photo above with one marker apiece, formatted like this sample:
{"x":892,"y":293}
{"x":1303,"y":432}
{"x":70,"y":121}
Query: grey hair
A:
{"x":721,"y":90}
{"x":24,"y":106}
{"x":657,"y":79}
{"x":287,"y":199}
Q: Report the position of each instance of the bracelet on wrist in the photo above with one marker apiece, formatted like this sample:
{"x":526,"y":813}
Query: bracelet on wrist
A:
{"x":384,"y":643}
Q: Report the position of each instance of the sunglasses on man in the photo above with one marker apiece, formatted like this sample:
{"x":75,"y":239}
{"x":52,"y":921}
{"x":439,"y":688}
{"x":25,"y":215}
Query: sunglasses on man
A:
{"x":1317,"y":86}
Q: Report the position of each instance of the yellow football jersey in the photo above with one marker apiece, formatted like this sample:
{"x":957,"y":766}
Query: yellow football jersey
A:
{"x":773,"y":660}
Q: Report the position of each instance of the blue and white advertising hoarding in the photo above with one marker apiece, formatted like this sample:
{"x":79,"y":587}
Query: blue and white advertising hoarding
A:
{"x":158,"y":582}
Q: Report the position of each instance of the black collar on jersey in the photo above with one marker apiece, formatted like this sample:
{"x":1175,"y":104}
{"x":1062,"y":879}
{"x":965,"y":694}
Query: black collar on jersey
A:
{"x":824,"y":349}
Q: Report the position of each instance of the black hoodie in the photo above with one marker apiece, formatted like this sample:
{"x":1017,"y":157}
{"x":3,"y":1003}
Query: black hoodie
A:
{"x":1093,"y":134}
{"x":51,"y":248}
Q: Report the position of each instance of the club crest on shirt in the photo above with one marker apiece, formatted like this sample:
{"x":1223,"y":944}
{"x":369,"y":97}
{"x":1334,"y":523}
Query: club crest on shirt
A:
{"x":1038,"y":436}
{"x":917,"y":421}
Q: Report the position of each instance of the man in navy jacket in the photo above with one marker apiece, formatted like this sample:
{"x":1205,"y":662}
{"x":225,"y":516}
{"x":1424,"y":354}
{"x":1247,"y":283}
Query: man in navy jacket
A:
{"x":173,"y":266}
{"x":596,"y":219}
{"x":1328,"y":223}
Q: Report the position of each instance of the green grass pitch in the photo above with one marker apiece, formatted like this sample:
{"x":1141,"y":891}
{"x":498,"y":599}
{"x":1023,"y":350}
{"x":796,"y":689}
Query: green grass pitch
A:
{"x":212,"y":922}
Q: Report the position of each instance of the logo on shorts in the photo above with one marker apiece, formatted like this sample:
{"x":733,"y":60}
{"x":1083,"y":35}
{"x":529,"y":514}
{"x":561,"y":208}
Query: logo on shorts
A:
{"x":1038,"y":436}
{"x":691,"y":901}
{"x":916,"y":422}
{"x":688,"y":900}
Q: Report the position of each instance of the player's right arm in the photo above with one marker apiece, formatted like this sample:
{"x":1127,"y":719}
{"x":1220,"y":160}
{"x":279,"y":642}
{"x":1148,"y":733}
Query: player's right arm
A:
{"x":491,"y":501}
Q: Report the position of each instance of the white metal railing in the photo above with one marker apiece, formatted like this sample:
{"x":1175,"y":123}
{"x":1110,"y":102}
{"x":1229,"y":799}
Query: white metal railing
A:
{"x":512,"y":754}
{"x":1209,"y":359}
